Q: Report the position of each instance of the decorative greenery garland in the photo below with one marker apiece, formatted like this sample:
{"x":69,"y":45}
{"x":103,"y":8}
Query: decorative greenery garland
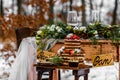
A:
{"x":93,"y":32}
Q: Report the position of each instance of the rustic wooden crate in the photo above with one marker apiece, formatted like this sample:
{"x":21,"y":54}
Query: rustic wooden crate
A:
{"x":104,"y":46}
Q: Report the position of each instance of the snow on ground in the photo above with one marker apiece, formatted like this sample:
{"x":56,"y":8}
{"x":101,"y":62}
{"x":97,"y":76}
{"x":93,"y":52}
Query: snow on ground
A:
{"x":98,"y":73}
{"x":6,"y":60}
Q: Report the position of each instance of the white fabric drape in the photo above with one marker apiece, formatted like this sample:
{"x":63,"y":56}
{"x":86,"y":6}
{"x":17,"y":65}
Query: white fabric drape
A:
{"x":23,"y":68}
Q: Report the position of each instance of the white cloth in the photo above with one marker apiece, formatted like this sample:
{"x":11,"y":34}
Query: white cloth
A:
{"x":23,"y":68}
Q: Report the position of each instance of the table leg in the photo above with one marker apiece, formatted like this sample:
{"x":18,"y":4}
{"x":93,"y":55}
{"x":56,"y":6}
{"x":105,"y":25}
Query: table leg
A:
{"x":51,"y":75}
{"x":76,"y":77}
{"x":59,"y":75}
{"x":86,"y":77}
{"x":81,"y":72}
{"x":39,"y":77}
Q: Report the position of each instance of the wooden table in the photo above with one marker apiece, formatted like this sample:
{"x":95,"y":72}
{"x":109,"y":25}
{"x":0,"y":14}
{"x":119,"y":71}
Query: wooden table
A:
{"x":82,"y":70}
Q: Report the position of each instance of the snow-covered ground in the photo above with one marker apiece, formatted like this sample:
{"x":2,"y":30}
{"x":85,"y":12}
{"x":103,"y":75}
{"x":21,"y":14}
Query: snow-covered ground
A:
{"x":6,"y":60}
{"x":98,"y":73}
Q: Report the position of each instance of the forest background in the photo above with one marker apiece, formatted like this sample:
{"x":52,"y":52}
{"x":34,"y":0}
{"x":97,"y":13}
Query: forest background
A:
{"x":15,"y":14}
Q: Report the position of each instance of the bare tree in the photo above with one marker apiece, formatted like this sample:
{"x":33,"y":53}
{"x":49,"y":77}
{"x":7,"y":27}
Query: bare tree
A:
{"x":19,"y":3}
{"x":71,"y":5}
{"x":91,"y":8}
{"x":101,"y":5}
{"x":83,"y":13}
{"x":91,"y":5}
{"x":1,"y":8}
{"x":115,"y":12}
{"x":51,"y":3}
{"x":12,"y":6}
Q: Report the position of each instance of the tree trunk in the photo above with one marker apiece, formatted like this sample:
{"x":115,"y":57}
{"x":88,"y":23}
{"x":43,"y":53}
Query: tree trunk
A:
{"x":91,"y":8}
{"x":71,"y":5}
{"x":91,"y":5}
{"x":13,"y":6}
{"x":83,"y":13}
{"x":101,"y":5}
{"x":115,"y":12}
{"x":51,"y":14}
{"x":1,"y":8}
{"x":19,"y":2}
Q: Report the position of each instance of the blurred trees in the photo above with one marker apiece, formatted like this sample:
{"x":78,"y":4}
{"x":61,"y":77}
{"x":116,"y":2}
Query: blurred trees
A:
{"x":34,"y":13}
{"x":42,"y":11}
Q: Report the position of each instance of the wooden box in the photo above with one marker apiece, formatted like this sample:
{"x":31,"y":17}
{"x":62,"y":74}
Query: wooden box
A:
{"x":103,"y":47}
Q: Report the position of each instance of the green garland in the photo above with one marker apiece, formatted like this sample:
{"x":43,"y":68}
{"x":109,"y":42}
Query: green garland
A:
{"x":93,"y":32}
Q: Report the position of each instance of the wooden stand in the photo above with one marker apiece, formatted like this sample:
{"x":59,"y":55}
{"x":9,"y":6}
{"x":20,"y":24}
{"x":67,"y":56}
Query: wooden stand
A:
{"x":77,"y":71}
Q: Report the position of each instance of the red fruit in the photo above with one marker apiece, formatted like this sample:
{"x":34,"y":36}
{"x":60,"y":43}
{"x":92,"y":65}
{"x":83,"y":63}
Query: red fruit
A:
{"x":78,"y":37}
{"x":71,"y":52}
{"x":75,"y":37}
